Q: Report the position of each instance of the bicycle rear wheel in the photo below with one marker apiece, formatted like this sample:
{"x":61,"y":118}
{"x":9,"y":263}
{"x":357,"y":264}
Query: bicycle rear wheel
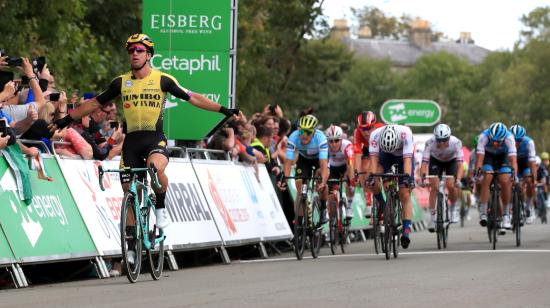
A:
{"x":342,"y":226}
{"x":130,"y":238}
{"x":316,"y":227}
{"x":156,"y":252}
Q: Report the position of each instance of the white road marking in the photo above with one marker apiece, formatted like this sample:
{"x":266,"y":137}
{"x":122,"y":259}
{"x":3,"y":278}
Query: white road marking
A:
{"x":403,"y":253}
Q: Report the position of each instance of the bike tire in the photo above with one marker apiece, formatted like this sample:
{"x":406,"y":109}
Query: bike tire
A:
{"x":439,"y":221}
{"x":494,"y":219}
{"x":343,"y":231}
{"x":445,"y":224}
{"x":396,"y":211}
{"x":516,"y":215}
{"x":300,"y":229}
{"x":388,"y":232}
{"x":316,"y":228}
{"x":462,"y":213}
{"x":129,"y":241}
{"x":333,"y":234}
{"x":375,"y":222}
{"x":155,"y":256}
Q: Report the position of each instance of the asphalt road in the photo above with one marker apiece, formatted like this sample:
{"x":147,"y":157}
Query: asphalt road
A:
{"x":467,"y":274}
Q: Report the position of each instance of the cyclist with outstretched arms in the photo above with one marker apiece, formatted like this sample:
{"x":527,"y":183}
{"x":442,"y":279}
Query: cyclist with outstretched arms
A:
{"x":143,"y":91}
{"x":366,"y":124}
{"x":526,"y":158}
{"x":393,"y":145}
{"x":496,"y":151}
{"x":311,"y":146}
{"x":340,"y":162}
{"x":443,"y":153}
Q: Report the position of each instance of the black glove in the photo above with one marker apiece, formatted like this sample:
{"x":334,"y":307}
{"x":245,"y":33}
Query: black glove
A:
{"x":228,"y":112}
{"x":63,"y":122}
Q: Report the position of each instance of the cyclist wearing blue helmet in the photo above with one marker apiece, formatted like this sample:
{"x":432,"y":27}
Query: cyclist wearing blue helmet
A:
{"x":496,"y":151}
{"x":525,"y":147}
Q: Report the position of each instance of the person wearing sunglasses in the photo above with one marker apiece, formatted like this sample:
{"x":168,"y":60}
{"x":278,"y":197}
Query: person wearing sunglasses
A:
{"x":366,"y":124}
{"x":393,"y":145}
{"x":496,"y":151}
{"x":443,"y":153}
{"x":526,"y":158}
{"x":312,"y":148}
{"x":143,"y":91}
{"x":340,"y":161}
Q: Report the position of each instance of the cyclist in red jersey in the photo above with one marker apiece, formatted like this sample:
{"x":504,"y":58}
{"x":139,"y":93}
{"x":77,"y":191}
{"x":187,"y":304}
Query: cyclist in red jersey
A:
{"x":366,"y":123}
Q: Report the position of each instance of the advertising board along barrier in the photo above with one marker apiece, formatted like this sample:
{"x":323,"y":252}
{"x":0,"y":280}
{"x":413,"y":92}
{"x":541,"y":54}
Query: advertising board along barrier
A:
{"x":48,"y":229}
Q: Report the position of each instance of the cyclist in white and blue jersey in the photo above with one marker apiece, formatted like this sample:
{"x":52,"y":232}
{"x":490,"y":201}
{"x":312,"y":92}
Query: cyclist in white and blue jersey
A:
{"x":526,"y":157}
{"x":496,"y":151}
{"x":312,"y":148}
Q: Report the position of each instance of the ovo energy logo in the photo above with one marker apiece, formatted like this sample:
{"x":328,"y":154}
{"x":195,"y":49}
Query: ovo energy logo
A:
{"x":191,"y":24}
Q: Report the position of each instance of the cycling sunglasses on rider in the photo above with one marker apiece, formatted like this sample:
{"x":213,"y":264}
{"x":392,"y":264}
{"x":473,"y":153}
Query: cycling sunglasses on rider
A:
{"x":305,"y":131}
{"x":334,"y":140}
{"x":137,"y":49}
{"x":442,"y":140}
{"x":366,"y":128}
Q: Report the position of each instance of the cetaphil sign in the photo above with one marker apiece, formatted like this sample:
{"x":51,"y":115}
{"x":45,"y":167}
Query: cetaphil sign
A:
{"x":410,"y":112}
{"x":195,"y":41}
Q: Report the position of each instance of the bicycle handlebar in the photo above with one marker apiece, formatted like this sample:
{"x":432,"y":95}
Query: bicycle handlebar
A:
{"x":152,"y":170}
{"x":390,"y":175}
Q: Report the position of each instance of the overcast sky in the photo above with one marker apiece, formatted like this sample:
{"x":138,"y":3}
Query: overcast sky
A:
{"x":494,"y":24}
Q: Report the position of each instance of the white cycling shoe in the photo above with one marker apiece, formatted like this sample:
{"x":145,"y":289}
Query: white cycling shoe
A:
{"x":163,"y":219}
{"x":506,"y":222}
{"x":455,"y":214}
{"x":131,"y":256}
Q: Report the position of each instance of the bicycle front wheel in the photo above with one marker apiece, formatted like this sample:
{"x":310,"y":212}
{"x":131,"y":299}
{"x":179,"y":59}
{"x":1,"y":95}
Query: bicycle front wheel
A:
{"x":333,"y":233}
{"x":316,"y":228}
{"x":375,"y":222}
{"x":130,"y":238}
{"x":155,"y":253}
{"x":343,"y":227}
{"x":388,"y":232}
{"x":516,"y":215}
{"x":300,"y":228}
{"x":440,"y":223}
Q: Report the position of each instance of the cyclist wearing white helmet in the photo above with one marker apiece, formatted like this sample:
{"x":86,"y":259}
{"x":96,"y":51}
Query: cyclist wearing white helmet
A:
{"x":496,"y":151}
{"x":393,"y":145}
{"x":340,"y":162}
{"x":443,"y":152}
{"x":526,"y":158}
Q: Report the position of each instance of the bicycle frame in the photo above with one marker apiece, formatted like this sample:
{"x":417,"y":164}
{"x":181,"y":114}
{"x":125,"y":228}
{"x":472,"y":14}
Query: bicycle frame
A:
{"x":494,"y":213}
{"x":442,"y":229}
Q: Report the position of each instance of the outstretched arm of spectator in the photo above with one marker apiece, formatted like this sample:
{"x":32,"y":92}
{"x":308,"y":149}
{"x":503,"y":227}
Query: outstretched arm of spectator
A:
{"x":26,"y":68}
{"x":23,"y":125}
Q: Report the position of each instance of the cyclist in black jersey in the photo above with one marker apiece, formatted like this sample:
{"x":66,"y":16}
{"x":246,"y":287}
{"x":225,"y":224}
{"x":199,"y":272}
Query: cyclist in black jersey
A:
{"x":143,"y":92}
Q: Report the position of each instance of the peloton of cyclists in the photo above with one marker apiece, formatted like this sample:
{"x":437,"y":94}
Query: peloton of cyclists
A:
{"x":443,"y":153}
{"x":340,"y":153}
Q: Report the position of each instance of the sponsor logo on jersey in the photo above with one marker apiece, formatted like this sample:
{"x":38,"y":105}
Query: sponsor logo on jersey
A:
{"x":373,"y":143}
{"x":129,"y":83}
{"x":127,"y":105}
{"x":403,"y":136}
{"x":162,"y":143}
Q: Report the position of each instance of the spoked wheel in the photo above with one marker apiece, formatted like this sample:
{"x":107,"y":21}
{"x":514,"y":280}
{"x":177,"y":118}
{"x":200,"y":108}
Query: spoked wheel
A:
{"x":342,"y":226}
{"x":130,"y":238}
{"x":376,"y":235}
{"x":396,"y":211}
{"x":156,"y":252}
{"x":462,"y":213}
{"x":333,"y":234}
{"x":440,"y":224}
{"x":492,"y":223}
{"x":517,"y":217}
{"x":316,"y":228}
{"x":300,"y":232}
{"x":388,"y":232}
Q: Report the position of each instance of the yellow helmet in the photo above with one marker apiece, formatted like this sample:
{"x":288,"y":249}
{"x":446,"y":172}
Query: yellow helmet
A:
{"x":143,"y":39}
{"x":544,"y":155}
{"x":308,"y":121}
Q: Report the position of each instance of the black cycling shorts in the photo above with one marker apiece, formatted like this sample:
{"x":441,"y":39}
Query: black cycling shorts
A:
{"x":304,"y":166}
{"x":137,"y":147}
{"x":437,"y":167}
{"x":337,"y":173}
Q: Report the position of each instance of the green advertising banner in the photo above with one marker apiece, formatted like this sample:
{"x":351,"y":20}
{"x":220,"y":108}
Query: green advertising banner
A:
{"x":410,"y":112}
{"x":50,"y":228}
{"x":194,"y":42}
{"x":191,"y":69}
{"x":6,"y":255}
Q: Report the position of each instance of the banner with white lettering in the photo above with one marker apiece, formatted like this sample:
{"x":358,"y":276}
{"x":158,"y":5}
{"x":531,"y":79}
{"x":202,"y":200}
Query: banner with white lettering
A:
{"x":99,"y":209}
{"x":224,"y":188}
{"x":192,"y":222}
{"x":265,"y":204}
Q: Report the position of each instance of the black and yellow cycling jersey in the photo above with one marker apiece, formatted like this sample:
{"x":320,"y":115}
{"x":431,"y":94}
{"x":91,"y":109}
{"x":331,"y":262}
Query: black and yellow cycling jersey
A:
{"x":143,"y":99}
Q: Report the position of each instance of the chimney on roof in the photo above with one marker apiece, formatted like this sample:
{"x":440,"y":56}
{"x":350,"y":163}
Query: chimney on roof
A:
{"x":420,"y":34}
{"x":340,"y":30}
{"x":364,"y":32}
{"x":465,"y":38}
